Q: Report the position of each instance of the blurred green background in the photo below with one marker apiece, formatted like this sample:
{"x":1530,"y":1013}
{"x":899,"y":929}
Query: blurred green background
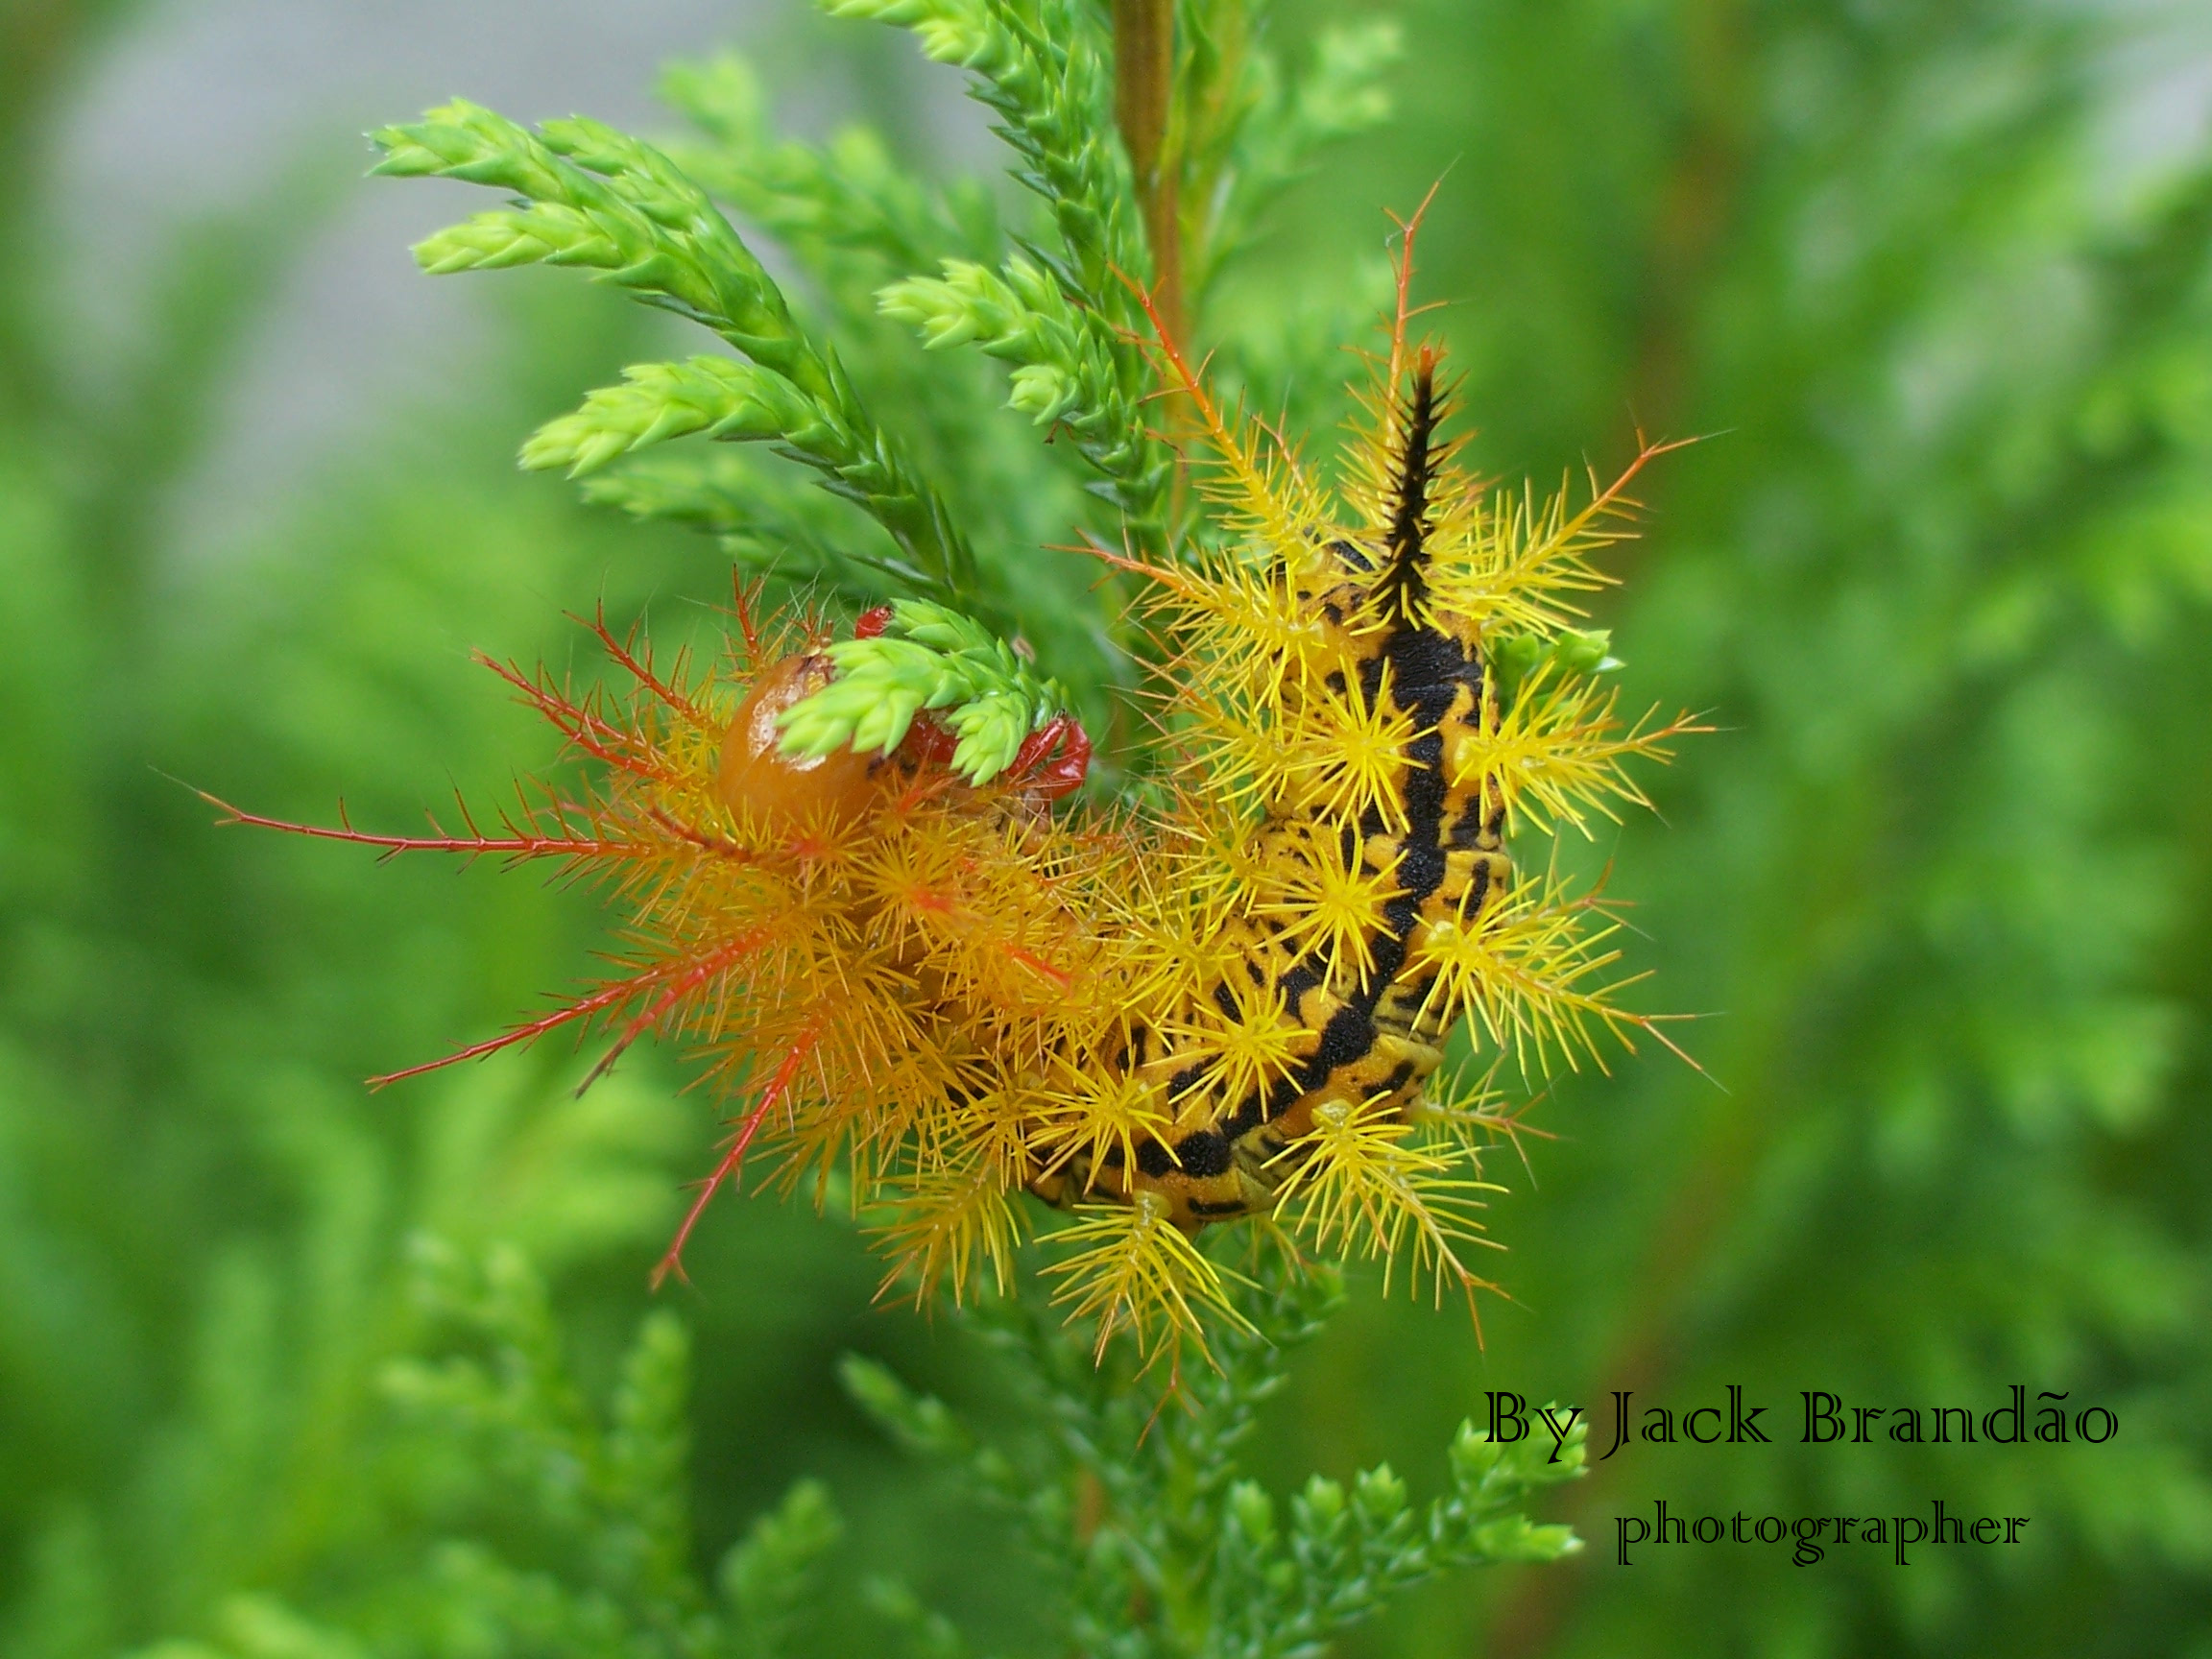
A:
{"x":1939,"y":279}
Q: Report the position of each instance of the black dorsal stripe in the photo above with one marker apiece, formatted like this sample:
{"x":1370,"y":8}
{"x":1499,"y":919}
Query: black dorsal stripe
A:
{"x":1421,"y":671}
{"x":1404,"y":578}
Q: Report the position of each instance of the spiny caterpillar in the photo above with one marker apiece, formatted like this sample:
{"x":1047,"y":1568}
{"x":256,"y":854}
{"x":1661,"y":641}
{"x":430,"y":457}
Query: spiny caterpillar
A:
{"x":850,"y":890}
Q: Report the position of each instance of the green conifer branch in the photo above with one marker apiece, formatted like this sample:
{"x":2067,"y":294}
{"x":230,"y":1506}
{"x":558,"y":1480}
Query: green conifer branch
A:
{"x":1176,"y":1553}
{"x":768,"y":1578}
{"x":920,"y":1631}
{"x":602,"y":199}
{"x":1044,"y":70}
{"x":489,"y":1438}
{"x":719,"y":396}
{"x":761,"y":518}
{"x":1066,"y":369}
{"x":1041,"y":68}
{"x":849,"y":196}
{"x":927,"y":658}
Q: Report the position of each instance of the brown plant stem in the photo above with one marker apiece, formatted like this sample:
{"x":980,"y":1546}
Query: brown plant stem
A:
{"x":1143,"y":96}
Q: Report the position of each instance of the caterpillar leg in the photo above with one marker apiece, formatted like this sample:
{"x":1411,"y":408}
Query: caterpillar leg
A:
{"x":1056,"y":774}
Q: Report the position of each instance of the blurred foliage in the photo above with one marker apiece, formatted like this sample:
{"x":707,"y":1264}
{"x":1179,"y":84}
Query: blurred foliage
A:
{"x":1943,"y":883}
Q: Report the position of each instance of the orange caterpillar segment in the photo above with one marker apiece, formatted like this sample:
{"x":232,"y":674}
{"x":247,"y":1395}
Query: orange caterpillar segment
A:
{"x":791,"y":792}
{"x":859,"y":939}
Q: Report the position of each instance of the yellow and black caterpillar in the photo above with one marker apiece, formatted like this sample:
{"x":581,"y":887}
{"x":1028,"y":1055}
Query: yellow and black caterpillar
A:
{"x":1367,"y":1031}
{"x":900,"y":957}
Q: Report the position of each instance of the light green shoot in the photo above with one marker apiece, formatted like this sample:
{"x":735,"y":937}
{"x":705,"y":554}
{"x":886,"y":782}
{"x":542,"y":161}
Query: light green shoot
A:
{"x":927,"y":658}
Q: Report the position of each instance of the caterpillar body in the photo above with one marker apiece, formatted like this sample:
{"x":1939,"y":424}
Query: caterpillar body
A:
{"x":1367,"y":1037}
{"x":902,"y":958}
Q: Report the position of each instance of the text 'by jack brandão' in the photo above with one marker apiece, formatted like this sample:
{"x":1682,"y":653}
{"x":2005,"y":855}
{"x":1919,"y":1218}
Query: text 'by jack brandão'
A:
{"x":1822,"y":1418}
